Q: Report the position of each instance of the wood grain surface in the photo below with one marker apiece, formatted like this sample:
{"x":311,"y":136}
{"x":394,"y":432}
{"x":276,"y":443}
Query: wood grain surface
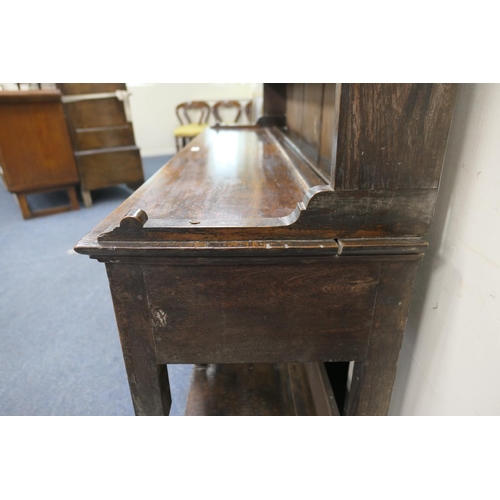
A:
{"x":282,"y":312}
{"x":392,"y":136}
{"x":34,"y":141}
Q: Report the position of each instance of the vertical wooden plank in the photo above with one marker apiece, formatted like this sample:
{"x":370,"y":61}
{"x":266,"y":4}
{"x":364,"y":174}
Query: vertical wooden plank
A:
{"x":311,"y":121}
{"x":149,"y":386}
{"x":373,"y":379}
{"x":286,"y":390}
{"x":301,"y":392}
{"x":392,"y":136}
{"x":321,"y":390}
{"x":294,"y":111}
{"x":274,"y":99}
{"x":328,"y":128}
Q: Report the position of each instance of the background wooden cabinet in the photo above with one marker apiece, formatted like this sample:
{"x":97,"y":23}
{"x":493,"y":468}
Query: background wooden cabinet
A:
{"x":35,"y":147}
{"x":102,"y":136}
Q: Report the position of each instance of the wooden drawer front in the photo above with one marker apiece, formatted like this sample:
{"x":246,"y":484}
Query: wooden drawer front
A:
{"x":261,"y":313}
{"x":105,"y":137}
{"x":95,"y":113}
{"x":102,"y":169}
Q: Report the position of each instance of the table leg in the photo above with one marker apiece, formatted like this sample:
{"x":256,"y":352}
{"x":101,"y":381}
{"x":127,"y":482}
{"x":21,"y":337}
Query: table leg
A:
{"x":373,"y":378}
{"x":148,"y":381}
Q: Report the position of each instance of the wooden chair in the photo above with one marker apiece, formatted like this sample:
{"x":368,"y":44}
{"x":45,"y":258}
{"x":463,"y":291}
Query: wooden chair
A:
{"x":190,"y":130}
{"x":227,"y":105}
{"x":249,"y":111}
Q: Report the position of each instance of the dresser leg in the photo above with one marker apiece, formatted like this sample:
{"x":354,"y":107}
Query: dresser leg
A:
{"x":373,"y":378}
{"x":73,"y":199}
{"x":23,"y":205}
{"x":86,"y":197}
{"x":148,"y":381}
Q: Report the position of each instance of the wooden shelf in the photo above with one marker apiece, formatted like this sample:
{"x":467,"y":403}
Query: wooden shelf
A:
{"x":260,"y":389}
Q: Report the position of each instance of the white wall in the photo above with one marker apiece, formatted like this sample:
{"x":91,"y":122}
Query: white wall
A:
{"x":450,"y":360}
{"x":153,"y":108}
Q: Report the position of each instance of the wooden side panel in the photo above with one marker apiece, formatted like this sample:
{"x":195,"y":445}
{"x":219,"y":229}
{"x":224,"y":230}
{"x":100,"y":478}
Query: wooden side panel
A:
{"x":101,"y":168}
{"x":392,"y":136}
{"x":36,"y":147}
{"x":279,"y":312}
{"x":373,"y":379}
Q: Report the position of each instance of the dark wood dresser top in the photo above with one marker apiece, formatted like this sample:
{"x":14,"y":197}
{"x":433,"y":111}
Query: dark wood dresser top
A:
{"x":248,"y":176}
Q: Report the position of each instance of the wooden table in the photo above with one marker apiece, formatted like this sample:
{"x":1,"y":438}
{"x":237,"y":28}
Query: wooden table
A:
{"x":294,"y":243}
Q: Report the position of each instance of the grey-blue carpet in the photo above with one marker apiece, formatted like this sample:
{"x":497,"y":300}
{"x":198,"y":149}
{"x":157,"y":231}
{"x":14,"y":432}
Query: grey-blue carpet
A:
{"x":60,"y":352}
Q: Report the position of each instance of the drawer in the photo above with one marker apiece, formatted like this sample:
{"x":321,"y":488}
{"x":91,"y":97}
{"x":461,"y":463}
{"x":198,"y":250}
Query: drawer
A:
{"x":283,"y":312}
{"x":108,"y":167}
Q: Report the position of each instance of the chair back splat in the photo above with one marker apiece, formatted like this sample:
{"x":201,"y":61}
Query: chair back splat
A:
{"x":188,"y":130}
{"x":227,"y":105}
{"x":193,"y":105}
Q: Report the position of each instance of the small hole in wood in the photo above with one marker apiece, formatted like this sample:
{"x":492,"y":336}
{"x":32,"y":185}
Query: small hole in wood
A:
{"x":194,"y":221}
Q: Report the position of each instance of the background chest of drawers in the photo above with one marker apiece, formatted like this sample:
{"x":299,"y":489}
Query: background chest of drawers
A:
{"x":102,"y":134}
